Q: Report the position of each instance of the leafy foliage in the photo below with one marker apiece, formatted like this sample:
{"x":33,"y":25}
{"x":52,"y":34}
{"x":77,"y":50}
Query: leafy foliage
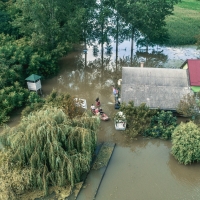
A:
{"x":60,"y":100}
{"x":186,"y":142}
{"x":162,"y":125}
{"x":55,"y":149}
{"x":10,"y":98}
{"x":147,"y":19}
{"x":33,"y":103}
{"x":189,"y":105}
{"x":13,"y":181}
{"x":138,"y":117}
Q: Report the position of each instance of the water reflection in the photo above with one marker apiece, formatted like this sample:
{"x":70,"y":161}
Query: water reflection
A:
{"x":170,"y":57}
{"x":189,"y":174}
{"x":153,"y":59}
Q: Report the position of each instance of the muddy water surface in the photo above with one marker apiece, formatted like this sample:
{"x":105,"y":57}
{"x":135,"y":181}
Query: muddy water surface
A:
{"x":140,"y":169}
{"x":146,"y":170}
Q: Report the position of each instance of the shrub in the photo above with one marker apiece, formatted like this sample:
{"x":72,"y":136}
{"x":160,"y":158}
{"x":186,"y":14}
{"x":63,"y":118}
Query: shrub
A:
{"x":10,"y":98}
{"x":162,"y":125}
{"x":60,"y":100}
{"x":186,"y":143}
{"x":189,"y":105}
{"x":34,"y":102}
{"x":65,"y":102}
{"x":138,"y":117}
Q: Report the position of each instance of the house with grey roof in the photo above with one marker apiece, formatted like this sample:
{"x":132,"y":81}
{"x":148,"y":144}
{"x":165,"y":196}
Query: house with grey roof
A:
{"x":157,"y":87}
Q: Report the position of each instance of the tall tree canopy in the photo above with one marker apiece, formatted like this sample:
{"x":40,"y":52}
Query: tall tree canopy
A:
{"x":147,"y":17}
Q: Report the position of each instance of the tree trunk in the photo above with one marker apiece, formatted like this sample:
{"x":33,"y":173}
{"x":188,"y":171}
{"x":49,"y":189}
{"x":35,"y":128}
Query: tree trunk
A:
{"x":147,"y":46}
{"x":102,"y":41}
{"x":85,"y":47}
{"x":132,"y":41}
{"x":117,"y":40}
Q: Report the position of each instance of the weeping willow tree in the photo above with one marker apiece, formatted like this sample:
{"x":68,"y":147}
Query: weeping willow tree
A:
{"x":55,"y":149}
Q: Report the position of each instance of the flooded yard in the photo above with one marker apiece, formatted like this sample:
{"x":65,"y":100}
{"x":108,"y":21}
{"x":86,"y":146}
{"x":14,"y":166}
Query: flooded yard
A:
{"x":139,"y":169}
{"x":146,"y":170}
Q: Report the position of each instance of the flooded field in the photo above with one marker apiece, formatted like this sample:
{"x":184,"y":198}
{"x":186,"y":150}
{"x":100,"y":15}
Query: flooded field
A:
{"x":139,"y":169}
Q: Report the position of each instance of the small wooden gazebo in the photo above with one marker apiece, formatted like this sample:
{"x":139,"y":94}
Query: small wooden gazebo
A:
{"x":34,"y":83}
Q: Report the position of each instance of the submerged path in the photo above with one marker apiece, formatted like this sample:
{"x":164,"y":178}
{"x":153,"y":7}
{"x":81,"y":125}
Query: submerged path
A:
{"x":97,"y":172}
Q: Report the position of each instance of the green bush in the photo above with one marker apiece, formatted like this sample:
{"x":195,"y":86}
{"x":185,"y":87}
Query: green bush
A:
{"x":138,"y":117}
{"x":10,"y":98}
{"x":186,"y":143}
{"x":189,"y":105}
{"x":60,"y":100}
{"x":162,"y":125}
{"x":34,"y":102}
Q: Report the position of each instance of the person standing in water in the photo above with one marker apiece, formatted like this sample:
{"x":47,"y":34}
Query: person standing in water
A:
{"x":115,"y":93}
{"x":114,"y":90}
{"x":97,"y":102}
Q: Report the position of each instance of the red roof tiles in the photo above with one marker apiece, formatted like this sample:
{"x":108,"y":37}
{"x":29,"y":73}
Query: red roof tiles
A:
{"x":194,"y":72}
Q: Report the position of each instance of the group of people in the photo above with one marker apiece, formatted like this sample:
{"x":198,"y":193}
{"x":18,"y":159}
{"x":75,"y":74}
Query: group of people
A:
{"x":96,"y":111}
{"x":99,"y":111}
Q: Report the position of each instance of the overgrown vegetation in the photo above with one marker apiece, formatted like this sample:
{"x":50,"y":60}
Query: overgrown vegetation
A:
{"x":11,"y":98}
{"x":141,"y":120}
{"x":162,"y":125}
{"x":48,"y":148}
{"x":138,"y":118}
{"x":186,"y":142}
{"x":55,"y":98}
{"x":183,"y":26}
{"x":189,"y":106}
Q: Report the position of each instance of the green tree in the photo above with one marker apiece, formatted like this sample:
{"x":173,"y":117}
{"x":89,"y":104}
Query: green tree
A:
{"x":147,"y":18}
{"x":50,"y":23}
{"x":54,"y":150}
{"x":102,"y":23}
{"x":119,"y":29}
{"x":88,"y":12}
{"x":186,"y":142}
{"x":153,"y":29}
{"x":132,"y":12}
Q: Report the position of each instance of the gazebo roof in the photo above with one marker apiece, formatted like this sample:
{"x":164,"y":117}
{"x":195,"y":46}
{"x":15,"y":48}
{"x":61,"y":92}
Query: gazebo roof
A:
{"x":33,"y":77}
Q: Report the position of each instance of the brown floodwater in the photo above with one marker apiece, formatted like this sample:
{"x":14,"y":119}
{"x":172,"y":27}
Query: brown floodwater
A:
{"x":139,"y":169}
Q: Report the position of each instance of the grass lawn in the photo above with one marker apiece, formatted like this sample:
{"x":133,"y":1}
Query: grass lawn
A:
{"x":184,"y":25}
